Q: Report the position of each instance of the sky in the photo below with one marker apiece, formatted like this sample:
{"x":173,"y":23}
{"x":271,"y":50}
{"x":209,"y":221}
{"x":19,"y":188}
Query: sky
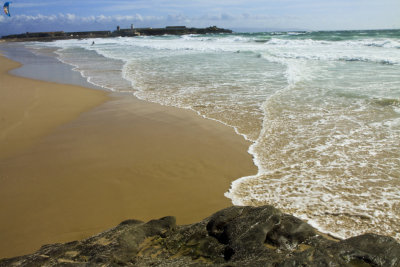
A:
{"x":239,"y":15}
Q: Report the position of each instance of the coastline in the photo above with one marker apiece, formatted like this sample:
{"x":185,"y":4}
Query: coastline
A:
{"x":61,"y":35}
{"x":115,"y":159}
{"x":29,"y":110}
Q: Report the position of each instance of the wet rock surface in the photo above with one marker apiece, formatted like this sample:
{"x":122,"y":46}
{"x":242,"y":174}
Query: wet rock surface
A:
{"x":236,"y":236}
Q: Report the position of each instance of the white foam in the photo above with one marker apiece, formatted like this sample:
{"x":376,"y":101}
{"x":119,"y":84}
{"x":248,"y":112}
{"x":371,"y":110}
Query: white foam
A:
{"x":320,"y":141}
{"x":333,"y":51}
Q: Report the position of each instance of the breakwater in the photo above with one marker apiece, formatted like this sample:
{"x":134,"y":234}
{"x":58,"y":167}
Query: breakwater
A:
{"x":60,"y":35}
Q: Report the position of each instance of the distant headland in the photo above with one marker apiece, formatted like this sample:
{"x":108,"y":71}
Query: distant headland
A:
{"x":60,"y":35}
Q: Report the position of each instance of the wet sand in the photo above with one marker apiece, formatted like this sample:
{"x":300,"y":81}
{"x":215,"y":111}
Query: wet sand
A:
{"x":101,"y":162}
{"x":29,"y":109}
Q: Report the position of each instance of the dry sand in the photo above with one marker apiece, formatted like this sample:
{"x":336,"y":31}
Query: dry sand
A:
{"x":72,"y":165}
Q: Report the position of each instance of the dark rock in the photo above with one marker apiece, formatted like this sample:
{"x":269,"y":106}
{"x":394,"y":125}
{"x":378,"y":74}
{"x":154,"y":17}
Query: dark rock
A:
{"x":236,"y":236}
{"x":61,"y":35}
{"x":373,"y":249}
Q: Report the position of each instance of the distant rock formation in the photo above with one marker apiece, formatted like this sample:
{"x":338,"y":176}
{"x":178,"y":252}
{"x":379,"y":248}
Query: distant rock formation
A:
{"x":236,"y":236}
{"x":60,"y":35}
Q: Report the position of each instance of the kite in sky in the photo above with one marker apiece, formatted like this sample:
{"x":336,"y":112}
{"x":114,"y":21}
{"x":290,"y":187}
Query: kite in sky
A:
{"x":6,"y":8}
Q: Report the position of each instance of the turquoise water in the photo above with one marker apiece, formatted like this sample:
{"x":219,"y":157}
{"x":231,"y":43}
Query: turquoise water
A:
{"x":322,"y":110}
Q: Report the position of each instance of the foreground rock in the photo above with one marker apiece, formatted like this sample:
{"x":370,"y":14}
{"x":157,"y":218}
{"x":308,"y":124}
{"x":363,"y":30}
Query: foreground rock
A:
{"x":236,"y":236}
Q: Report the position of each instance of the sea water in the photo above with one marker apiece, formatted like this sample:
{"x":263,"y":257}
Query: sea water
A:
{"x":322,"y":110}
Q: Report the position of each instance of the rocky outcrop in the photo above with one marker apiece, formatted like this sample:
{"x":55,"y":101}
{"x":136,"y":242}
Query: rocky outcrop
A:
{"x":236,"y":236}
{"x":61,"y":35}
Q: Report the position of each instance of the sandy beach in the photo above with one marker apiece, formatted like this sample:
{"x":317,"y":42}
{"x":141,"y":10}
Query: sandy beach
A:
{"x":75,"y":161}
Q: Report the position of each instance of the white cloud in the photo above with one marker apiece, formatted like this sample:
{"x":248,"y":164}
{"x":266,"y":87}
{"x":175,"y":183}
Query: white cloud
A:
{"x":30,"y":19}
{"x":72,"y":22}
{"x":29,"y":5}
{"x":70,"y":17}
{"x":257,"y":15}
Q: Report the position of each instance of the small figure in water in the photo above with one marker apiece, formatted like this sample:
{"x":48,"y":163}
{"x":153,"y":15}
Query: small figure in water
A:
{"x":93,"y":43}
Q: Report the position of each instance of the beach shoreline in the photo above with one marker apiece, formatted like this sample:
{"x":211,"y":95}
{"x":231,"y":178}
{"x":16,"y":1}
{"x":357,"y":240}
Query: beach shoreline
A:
{"x":25,"y":104}
{"x":104,"y":160}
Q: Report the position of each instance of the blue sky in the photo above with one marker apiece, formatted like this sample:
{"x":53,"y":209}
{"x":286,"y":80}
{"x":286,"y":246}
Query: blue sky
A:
{"x":73,"y":15}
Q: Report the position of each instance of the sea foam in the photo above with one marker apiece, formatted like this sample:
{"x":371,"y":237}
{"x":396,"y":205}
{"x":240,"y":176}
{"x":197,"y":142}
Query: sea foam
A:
{"x":314,"y":104}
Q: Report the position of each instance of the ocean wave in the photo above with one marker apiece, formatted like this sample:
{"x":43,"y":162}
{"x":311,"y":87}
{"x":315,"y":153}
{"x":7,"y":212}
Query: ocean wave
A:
{"x":331,"y":51}
{"x":296,"y":42}
{"x":361,"y":59}
{"x":325,"y":130}
{"x":383,"y":43}
{"x":381,"y":51}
